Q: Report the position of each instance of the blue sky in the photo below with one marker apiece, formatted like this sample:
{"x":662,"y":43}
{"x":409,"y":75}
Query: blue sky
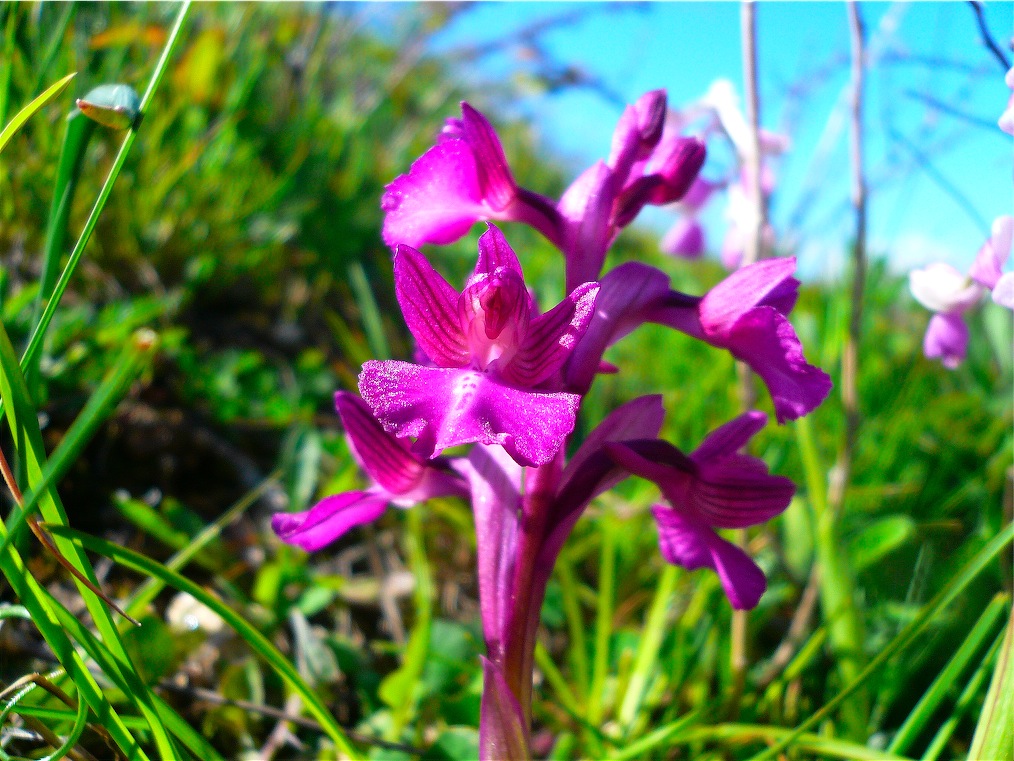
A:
{"x":683,"y":47}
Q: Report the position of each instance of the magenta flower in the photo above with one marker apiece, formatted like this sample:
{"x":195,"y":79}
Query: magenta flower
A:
{"x":462,"y":179}
{"x":716,"y":487}
{"x":398,"y":477}
{"x":496,"y":359}
{"x":945,"y":291}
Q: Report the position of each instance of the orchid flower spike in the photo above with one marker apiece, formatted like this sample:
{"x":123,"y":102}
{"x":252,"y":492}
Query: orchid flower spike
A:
{"x":496,"y":359}
{"x":398,"y":477}
{"x":715,"y":487}
{"x":945,"y":291}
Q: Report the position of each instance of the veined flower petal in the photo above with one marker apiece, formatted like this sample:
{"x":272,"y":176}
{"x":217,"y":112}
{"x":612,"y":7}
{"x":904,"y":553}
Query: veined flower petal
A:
{"x":766,"y":283}
{"x":495,"y":179}
{"x":586,"y":209}
{"x":551,"y":338}
{"x":437,"y":201}
{"x":386,"y":459}
{"x":693,"y":545}
{"x":329,"y":519}
{"x":430,"y":306}
{"x":447,"y":407}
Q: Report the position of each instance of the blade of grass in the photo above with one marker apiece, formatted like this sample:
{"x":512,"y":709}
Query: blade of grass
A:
{"x":100,"y":405}
{"x":603,"y":620}
{"x":400,"y":690}
{"x":62,"y":749}
{"x":373,"y":326}
{"x":147,"y":592}
{"x":24,"y":425}
{"x":906,"y":636}
{"x":651,"y":641}
{"x":253,"y":637}
{"x":823,"y":747}
{"x":964,"y":703}
{"x":945,"y":682}
{"x":39,"y":334}
{"x":642,"y":747}
{"x":577,"y":645}
{"x":994,"y":733}
{"x":31,"y":109}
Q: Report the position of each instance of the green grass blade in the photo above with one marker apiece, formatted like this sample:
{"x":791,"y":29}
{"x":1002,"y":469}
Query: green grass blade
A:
{"x":400,"y":689}
{"x":100,"y":406}
{"x":651,"y":640}
{"x":577,"y":646}
{"x":40,"y":606}
{"x":373,"y":326}
{"x":30,"y":110}
{"x":148,"y":591}
{"x":994,"y":733}
{"x":822,"y":747}
{"x":78,"y":728}
{"x":253,"y":637}
{"x":656,"y":738}
{"x":964,"y":704}
{"x":906,"y":636}
{"x":35,"y":342}
{"x":603,"y":620}
{"x":946,"y":679}
{"x":24,"y":426}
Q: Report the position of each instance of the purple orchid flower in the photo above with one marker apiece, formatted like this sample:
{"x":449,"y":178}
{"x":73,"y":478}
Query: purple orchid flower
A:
{"x":461,"y":180}
{"x":746,"y":314}
{"x":399,"y":477}
{"x":945,"y":291}
{"x":714,"y":487}
{"x":495,"y":358}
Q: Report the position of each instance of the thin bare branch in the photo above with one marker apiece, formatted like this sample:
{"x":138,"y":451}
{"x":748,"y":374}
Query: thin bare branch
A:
{"x":987,"y":37}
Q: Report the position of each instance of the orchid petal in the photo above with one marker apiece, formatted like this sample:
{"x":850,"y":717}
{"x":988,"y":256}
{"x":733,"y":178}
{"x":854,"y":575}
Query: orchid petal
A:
{"x":1003,"y":291}
{"x":988,"y":265}
{"x":946,"y":339}
{"x":430,"y":306}
{"x":767,"y":342}
{"x":448,"y":407}
{"x":637,"y":132}
{"x":386,"y":459}
{"x":586,"y":208}
{"x":437,"y":201}
{"x":729,"y":438}
{"x":329,"y":519}
{"x":685,"y":238}
{"x":496,"y":252}
{"x":625,"y":295}
{"x":941,"y":288}
{"x":495,"y":179}
{"x":690,"y":544}
{"x":765,"y":283}
{"x":552,"y":337}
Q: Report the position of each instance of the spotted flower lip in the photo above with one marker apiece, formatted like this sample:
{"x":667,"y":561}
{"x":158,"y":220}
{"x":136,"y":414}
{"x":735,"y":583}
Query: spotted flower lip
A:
{"x":398,"y":477}
{"x":716,"y":486}
{"x":497,"y":360}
